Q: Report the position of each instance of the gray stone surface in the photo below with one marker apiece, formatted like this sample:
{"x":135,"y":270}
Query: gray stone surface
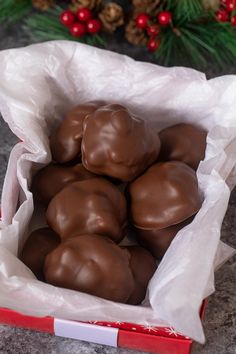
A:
{"x":220,"y":318}
{"x":18,"y":341}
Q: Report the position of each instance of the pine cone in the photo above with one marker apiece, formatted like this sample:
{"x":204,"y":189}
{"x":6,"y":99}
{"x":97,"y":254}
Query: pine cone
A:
{"x":147,"y":6}
{"x":112,"y":16}
{"x":42,"y":4}
{"x":79,"y":4}
{"x":135,"y":35}
{"x":211,"y":4}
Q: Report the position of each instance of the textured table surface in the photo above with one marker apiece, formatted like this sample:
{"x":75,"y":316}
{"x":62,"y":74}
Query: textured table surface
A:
{"x":220,"y":319}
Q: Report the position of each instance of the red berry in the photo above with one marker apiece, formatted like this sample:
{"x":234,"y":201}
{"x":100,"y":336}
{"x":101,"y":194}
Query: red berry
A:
{"x":230,"y":5}
{"x":142,"y":20}
{"x":94,"y":26}
{"x":233,"y":20}
{"x":153,"y":30}
{"x":223,"y":2}
{"x":164,"y":17}
{"x":67,"y":18}
{"x":222,"y":16}
{"x":84,"y":14}
{"x":153,"y":44}
{"x":77,"y":29}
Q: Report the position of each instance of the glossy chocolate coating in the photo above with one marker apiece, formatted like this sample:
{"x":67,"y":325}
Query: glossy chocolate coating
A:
{"x":53,"y":178}
{"x":143,"y":266}
{"x":166,"y":194}
{"x":183,"y":142}
{"x":65,"y":142}
{"x":91,"y":264}
{"x":158,"y":241}
{"x":118,"y":144}
{"x":94,"y":206}
{"x":38,"y":245}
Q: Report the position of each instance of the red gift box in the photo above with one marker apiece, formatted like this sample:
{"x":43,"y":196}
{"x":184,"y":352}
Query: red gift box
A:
{"x":161,"y":340}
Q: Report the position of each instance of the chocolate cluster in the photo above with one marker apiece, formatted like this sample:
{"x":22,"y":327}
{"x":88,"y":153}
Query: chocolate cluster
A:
{"x":38,"y":245}
{"x":118,"y":144}
{"x":94,"y":264}
{"x":65,"y":142}
{"x":93,"y":206}
{"x":183,"y":142}
{"x":130,"y":176}
{"x":53,"y":178}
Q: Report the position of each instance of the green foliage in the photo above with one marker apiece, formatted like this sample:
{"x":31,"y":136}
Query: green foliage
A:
{"x":187,"y":10}
{"x":195,"y":37}
{"x":46,"y":26}
{"x":195,"y":44}
{"x":12,"y":10}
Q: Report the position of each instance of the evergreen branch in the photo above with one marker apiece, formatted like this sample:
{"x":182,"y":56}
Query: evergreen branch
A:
{"x":220,"y":37}
{"x":193,"y":39}
{"x":99,"y":39}
{"x":185,"y":10}
{"x":47,"y":26}
{"x":197,"y":43}
{"x":12,"y":10}
{"x":189,"y":9}
{"x":179,"y":51}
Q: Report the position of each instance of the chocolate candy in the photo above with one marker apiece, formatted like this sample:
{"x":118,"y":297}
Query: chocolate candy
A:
{"x":93,"y":206}
{"x":118,"y":144}
{"x":91,"y":264}
{"x":183,"y":142}
{"x":38,"y":245}
{"x":65,"y":142}
{"x":166,"y":194}
{"x":53,"y":178}
{"x":143,"y":266}
{"x":158,"y":241}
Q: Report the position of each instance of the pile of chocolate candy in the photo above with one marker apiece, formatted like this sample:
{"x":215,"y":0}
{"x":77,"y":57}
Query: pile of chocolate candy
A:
{"x":130,"y":177}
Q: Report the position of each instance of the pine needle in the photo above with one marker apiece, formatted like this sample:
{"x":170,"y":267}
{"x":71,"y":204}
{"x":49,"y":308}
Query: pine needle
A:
{"x":12,"y":10}
{"x":47,"y":26}
{"x":194,"y":38}
{"x":185,"y":10}
{"x":198,"y":44}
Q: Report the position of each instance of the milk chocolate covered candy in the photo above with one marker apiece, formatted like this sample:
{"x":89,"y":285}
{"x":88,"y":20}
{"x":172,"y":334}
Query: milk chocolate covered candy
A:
{"x":118,"y":144}
{"x":143,"y":266}
{"x":93,"y":206}
{"x":38,"y":245}
{"x":92,"y":264}
{"x":65,"y":142}
{"x":158,"y":241}
{"x":53,"y":178}
{"x":183,"y":142}
{"x":166,"y":194}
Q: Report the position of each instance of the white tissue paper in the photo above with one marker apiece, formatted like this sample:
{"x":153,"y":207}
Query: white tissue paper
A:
{"x":38,"y":84}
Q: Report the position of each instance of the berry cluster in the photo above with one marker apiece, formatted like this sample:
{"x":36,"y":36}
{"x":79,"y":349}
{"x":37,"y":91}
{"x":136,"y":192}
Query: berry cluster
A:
{"x":227,"y":12}
{"x":80,"y":23}
{"x":152,"y":27}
